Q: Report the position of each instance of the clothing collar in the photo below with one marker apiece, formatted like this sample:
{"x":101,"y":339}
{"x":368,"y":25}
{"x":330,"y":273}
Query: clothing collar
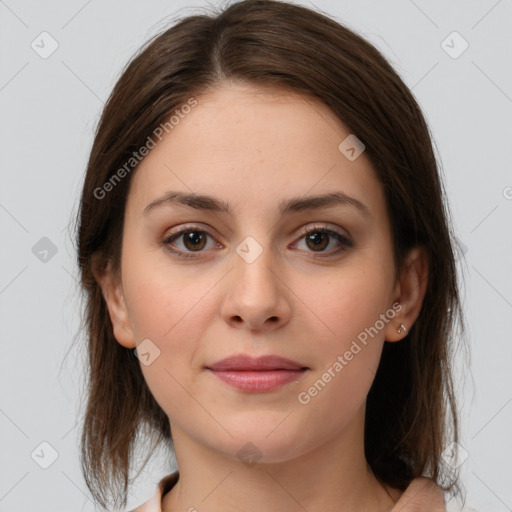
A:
{"x":422,"y":494}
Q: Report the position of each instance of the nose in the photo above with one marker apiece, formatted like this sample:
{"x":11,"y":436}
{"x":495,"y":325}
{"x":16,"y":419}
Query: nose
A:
{"x":257,"y":297}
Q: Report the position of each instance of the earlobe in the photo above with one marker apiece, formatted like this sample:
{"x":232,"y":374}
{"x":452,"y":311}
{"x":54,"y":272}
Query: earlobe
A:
{"x":410,"y":292}
{"x":112,"y":291}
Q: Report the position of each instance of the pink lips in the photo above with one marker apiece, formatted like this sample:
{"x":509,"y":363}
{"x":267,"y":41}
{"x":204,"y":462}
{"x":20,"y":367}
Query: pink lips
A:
{"x":262,"y":374}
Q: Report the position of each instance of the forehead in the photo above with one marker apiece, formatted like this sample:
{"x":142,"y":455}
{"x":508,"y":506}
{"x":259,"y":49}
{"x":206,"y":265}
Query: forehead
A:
{"x":255,"y":147}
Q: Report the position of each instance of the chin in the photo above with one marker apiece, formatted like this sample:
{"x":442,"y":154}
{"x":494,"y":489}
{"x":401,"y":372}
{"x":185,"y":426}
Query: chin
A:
{"x":261,"y":442}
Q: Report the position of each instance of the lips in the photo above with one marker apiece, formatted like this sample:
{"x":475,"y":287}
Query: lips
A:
{"x":257,"y":375}
{"x":247,"y":363}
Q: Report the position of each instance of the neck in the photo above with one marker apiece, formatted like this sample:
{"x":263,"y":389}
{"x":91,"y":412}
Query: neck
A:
{"x":333,"y":477}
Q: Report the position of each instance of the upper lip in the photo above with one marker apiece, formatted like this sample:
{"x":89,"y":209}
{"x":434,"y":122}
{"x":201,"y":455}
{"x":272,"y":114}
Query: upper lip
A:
{"x":243,"y":362}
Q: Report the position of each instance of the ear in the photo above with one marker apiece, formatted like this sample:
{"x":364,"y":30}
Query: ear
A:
{"x":409,"y":291}
{"x":112,"y":289}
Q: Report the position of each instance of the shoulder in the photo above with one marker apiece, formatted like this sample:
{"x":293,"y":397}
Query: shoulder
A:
{"x":154,"y":504}
{"x":421,"y":494}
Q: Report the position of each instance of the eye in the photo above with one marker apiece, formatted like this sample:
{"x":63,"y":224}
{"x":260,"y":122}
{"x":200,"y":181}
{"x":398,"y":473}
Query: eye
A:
{"x":193,"y":239}
{"x":318,"y":238}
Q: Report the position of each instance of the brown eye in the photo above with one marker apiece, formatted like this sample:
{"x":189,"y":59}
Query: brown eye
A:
{"x":189,"y":241}
{"x":194,"y":240}
{"x":317,"y":240}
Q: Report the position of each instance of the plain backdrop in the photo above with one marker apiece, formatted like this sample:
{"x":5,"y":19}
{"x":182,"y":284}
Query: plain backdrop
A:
{"x":50,"y":105}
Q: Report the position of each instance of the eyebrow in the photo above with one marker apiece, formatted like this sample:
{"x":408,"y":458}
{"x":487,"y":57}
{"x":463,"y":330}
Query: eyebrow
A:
{"x":297,"y":204}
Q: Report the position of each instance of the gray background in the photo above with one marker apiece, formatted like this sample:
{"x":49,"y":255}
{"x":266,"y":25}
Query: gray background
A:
{"x":49,"y":109}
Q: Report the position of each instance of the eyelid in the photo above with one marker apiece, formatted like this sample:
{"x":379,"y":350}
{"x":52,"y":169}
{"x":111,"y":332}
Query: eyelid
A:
{"x":189,"y":227}
{"x":318,"y":226}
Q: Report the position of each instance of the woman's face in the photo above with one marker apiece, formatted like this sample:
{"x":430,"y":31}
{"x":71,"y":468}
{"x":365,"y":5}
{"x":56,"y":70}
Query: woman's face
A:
{"x":251,"y":281}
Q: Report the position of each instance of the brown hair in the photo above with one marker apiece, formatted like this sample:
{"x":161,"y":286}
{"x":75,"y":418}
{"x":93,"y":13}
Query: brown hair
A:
{"x":411,"y":411}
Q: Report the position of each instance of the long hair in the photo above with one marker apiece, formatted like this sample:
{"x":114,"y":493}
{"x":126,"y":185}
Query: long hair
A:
{"x":411,"y":413}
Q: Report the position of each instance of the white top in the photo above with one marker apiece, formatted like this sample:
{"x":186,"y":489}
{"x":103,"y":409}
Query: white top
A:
{"x":421,"y":495}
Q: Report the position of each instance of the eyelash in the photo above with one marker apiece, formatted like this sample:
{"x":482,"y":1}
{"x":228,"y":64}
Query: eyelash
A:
{"x":345,"y":242}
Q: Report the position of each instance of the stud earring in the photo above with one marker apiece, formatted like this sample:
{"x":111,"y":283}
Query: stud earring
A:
{"x":402,"y":326}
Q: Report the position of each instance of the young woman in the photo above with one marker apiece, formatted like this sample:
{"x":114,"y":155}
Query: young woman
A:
{"x":271,"y":287}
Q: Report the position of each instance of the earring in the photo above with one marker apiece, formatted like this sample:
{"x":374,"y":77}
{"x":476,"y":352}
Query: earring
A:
{"x":402,"y":326}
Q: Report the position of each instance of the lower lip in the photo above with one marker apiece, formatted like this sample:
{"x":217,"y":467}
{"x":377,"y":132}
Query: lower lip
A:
{"x":258,"y":381}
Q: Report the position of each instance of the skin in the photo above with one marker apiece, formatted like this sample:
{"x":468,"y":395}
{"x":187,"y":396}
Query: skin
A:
{"x":254,"y":147}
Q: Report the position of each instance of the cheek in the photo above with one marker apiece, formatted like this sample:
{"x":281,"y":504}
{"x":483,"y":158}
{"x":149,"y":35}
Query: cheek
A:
{"x":163,"y":299}
{"x":348,"y":305}
{"x":171,"y":311}
{"x":349,"y":341}
{"x":171,"y":305}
